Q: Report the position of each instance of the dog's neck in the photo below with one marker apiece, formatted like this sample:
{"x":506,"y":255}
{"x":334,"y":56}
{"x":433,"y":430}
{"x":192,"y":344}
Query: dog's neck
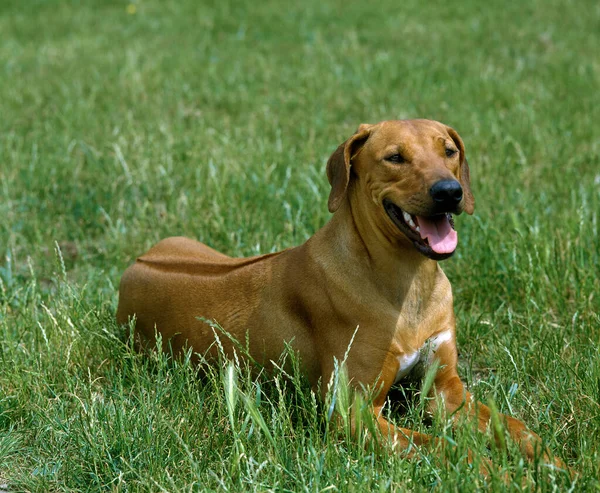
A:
{"x":354,"y":243}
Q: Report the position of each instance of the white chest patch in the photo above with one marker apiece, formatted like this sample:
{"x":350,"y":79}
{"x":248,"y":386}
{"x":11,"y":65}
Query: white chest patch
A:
{"x":407,"y":362}
{"x":425,"y":354}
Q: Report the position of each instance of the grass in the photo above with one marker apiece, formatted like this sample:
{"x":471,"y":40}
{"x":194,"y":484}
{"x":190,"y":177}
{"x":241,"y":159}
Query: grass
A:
{"x":126,"y":123}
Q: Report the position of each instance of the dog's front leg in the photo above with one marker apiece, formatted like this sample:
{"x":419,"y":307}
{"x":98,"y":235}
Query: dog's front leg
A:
{"x":407,"y":442}
{"x":450,"y":390}
{"x":402,"y":439}
{"x":412,"y":442}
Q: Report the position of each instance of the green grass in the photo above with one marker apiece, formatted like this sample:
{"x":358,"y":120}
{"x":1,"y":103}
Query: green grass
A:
{"x":215,"y":121}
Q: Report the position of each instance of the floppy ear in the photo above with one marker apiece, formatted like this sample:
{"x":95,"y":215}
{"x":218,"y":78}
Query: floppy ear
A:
{"x":465,"y":178}
{"x":338,"y":166}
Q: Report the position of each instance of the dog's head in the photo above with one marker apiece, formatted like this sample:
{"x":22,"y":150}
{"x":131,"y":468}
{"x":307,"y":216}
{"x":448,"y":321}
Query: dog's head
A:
{"x":409,"y":177}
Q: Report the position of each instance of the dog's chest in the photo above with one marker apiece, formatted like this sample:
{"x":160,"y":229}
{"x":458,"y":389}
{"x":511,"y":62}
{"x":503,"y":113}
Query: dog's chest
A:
{"x":416,"y":362}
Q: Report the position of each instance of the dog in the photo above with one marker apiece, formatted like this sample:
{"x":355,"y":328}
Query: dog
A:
{"x":395,"y":187}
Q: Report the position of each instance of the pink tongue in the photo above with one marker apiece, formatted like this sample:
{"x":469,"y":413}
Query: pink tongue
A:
{"x":442,"y":238}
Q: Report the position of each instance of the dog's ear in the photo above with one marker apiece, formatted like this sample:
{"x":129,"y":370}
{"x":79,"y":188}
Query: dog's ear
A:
{"x":338,"y":166}
{"x":465,"y":178}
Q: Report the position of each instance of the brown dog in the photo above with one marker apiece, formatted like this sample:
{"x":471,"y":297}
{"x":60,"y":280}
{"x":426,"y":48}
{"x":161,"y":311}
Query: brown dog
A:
{"x":394,"y":188}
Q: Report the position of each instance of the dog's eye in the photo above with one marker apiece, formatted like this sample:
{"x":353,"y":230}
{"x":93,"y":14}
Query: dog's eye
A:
{"x":395,"y":158}
{"x":450,"y":152}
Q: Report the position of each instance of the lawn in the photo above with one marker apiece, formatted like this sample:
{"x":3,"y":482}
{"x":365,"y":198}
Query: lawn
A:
{"x":124,"y":123}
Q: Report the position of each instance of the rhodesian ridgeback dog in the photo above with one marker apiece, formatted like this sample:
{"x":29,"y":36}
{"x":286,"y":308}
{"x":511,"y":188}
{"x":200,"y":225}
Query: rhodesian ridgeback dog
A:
{"x":394,"y":189}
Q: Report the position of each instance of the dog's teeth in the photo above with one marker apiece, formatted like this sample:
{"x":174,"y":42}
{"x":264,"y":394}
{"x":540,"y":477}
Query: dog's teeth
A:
{"x":417,"y":229}
{"x":408,"y":219}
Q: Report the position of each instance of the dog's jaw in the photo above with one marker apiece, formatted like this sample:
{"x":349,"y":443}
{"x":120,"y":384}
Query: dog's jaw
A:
{"x":409,"y":226}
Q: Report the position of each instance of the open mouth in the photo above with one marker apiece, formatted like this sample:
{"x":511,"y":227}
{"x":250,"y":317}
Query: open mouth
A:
{"x":433,"y":236}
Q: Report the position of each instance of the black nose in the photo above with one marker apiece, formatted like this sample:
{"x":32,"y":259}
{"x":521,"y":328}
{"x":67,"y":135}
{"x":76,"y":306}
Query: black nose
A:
{"x":446,"y":194}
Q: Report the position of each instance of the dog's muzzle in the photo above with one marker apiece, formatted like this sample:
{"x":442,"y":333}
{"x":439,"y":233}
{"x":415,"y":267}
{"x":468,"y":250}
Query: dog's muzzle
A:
{"x":434,"y":236}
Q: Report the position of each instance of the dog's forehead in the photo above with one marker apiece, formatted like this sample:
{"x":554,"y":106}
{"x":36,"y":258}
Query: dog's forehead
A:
{"x":405,"y":132}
